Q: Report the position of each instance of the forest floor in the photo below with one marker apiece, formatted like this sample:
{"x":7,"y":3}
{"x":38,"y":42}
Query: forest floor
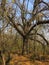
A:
{"x":24,"y":60}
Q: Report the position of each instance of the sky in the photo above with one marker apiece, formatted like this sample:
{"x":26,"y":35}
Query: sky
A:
{"x":46,"y":1}
{"x":30,"y":6}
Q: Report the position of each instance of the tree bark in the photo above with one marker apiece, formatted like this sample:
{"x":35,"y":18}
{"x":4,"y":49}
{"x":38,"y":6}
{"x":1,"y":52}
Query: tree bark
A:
{"x":3,"y":59}
{"x":25,"y":46}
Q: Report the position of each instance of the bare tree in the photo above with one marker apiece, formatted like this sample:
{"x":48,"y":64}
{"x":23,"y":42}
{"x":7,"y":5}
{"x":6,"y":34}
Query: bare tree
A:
{"x":17,"y":17}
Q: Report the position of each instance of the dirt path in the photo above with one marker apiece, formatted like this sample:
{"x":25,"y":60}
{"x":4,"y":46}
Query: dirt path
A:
{"x":21,"y":60}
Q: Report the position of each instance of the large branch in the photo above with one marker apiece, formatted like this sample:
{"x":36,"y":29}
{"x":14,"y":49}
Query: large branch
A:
{"x":36,"y":41}
{"x":38,"y":23}
{"x":16,"y":27}
{"x":41,"y":37}
{"x":34,"y":15}
{"x":43,"y":9}
{"x":45,"y":3}
{"x":39,"y":3}
{"x":36,"y":3}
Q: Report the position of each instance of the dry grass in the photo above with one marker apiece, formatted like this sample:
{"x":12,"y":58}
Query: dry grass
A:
{"x":22,"y":60}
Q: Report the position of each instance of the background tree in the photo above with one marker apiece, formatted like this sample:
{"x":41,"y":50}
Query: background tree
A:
{"x":25,"y":21}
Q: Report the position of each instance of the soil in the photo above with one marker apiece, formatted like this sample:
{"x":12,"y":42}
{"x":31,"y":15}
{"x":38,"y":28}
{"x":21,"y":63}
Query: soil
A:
{"x":23,"y":60}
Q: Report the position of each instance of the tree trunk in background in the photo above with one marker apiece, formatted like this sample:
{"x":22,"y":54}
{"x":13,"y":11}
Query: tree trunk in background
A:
{"x":25,"y":47}
{"x":34,"y":43}
{"x":3,"y":59}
